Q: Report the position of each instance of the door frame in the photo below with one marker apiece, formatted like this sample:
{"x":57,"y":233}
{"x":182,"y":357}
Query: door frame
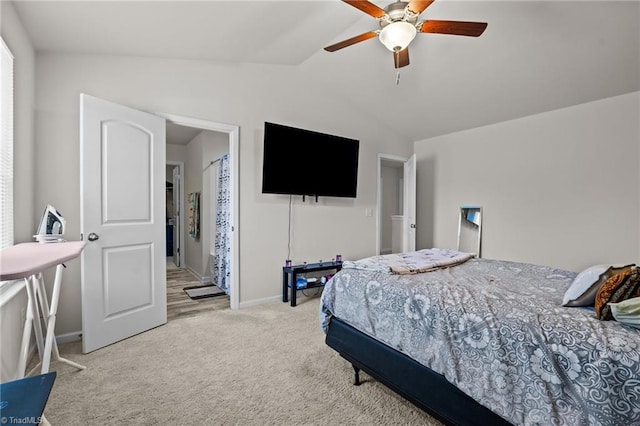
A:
{"x":233,"y":133}
{"x":180,"y":165}
{"x":392,"y":159}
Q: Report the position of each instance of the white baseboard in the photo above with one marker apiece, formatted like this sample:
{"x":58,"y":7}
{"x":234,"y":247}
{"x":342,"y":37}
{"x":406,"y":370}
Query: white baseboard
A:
{"x":74,"y":336}
{"x":262,"y":301}
{"x":194,"y":272}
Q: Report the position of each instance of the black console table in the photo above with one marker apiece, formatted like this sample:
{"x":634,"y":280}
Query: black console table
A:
{"x":290,"y":274}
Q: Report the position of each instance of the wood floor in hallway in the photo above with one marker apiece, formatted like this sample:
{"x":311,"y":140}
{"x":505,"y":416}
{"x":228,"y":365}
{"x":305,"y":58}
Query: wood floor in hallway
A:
{"x":179,"y":304}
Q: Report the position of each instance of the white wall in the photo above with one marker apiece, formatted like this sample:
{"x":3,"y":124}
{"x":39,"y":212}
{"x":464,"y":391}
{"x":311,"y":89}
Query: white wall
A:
{"x":13,"y":300}
{"x":243,"y":95}
{"x":192,"y":183}
{"x":176,"y":152}
{"x":560,"y":188}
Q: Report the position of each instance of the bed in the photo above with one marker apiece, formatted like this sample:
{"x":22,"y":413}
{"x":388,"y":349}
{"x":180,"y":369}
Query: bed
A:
{"x":484,"y":341}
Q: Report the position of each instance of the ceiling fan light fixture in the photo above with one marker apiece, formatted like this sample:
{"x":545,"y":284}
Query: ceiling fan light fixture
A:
{"x":397,"y":35}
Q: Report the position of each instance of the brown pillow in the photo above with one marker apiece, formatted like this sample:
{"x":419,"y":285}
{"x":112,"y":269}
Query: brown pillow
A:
{"x":619,"y":287}
{"x":586,"y":284}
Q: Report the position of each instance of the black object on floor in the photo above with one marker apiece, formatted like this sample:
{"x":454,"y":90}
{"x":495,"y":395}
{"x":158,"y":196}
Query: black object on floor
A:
{"x":203,"y":291}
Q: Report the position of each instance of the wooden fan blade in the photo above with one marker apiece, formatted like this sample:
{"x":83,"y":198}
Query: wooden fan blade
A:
{"x":367,"y":7}
{"x":350,"y":41}
{"x":401,"y":58}
{"x":417,"y":6}
{"x":471,"y":29}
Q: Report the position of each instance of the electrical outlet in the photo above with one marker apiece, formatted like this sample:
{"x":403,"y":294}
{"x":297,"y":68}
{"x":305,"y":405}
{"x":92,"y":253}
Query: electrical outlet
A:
{"x":368,"y":212}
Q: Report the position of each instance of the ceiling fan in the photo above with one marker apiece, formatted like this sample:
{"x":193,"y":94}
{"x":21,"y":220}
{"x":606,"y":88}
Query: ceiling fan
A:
{"x":399,"y":25}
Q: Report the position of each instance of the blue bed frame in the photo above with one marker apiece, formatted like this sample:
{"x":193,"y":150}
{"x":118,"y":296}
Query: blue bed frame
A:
{"x":420,"y":385}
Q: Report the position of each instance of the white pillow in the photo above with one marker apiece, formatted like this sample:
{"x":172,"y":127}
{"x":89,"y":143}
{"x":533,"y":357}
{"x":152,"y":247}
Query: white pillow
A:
{"x":586,"y":284}
{"x":627,"y":311}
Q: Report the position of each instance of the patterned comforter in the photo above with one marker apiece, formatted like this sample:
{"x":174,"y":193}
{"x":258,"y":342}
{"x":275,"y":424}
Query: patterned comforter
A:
{"x":497,"y":330}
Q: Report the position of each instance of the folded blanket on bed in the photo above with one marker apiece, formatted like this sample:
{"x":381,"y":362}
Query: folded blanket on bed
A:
{"x":411,"y":262}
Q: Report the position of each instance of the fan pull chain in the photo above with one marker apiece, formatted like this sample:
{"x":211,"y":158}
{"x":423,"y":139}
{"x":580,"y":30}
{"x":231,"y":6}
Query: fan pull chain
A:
{"x":397,"y":78}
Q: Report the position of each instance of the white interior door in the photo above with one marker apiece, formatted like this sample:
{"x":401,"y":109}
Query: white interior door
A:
{"x":122,"y":202}
{"x":176,"y":215}
{"x":409,"y":205}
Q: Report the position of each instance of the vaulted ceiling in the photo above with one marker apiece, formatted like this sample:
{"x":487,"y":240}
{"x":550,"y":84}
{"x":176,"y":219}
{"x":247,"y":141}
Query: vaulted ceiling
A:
{"x":534,"y":56}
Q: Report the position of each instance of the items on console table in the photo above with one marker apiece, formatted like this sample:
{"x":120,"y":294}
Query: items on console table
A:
{"x":27,"y":261}
{"x":291,"y":272}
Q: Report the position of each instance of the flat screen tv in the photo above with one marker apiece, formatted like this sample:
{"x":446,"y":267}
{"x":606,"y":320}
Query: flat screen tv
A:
{"x":303,"y":162}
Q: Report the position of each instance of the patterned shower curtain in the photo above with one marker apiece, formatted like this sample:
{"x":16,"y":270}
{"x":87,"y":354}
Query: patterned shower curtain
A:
{"x":220,"y":259}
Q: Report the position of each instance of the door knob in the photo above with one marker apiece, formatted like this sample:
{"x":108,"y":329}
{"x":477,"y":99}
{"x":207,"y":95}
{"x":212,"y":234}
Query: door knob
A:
{"x":93,"y":236}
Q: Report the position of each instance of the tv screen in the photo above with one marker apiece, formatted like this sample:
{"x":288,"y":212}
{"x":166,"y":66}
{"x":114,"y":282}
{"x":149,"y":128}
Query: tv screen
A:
{"x":304,"y":162}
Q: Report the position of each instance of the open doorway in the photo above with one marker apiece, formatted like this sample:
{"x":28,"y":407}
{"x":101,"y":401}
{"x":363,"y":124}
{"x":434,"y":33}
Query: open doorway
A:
{"x":395,"y":219}
{"x":390,"y":205}
{"x":191,"y":177}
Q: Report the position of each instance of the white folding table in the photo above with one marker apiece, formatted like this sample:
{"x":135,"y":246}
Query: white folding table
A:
{"x":27,"y":261}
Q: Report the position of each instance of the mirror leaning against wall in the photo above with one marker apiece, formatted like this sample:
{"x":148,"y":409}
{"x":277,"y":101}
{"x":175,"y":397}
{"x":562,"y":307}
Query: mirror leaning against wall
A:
{"x":470,"y":229}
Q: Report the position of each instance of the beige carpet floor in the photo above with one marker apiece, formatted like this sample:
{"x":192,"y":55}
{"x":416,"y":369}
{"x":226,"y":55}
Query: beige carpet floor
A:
{"x":264,"y":365}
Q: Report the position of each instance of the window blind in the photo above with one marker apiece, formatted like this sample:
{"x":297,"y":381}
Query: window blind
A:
{"x":6,"y":147}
